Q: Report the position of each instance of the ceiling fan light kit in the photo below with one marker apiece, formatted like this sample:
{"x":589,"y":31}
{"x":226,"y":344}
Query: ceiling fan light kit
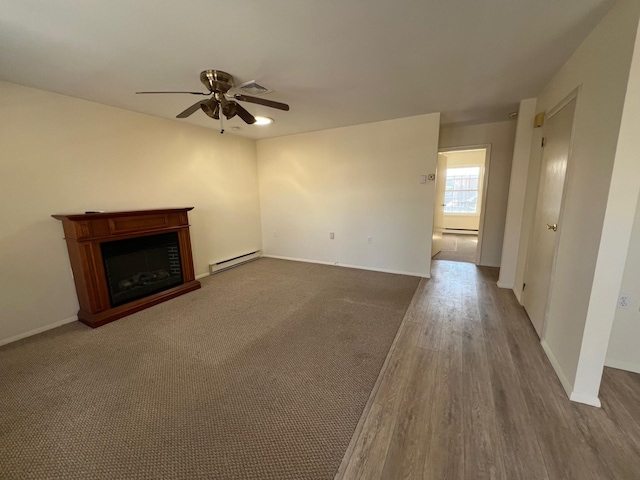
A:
{"x":211,"y":108}
{"x":219,"y":83}
{"x":263,"y":120}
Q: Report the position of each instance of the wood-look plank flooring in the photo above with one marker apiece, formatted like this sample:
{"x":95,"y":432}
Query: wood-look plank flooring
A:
{"x":468,"y":393}
{"x":458,"y":248}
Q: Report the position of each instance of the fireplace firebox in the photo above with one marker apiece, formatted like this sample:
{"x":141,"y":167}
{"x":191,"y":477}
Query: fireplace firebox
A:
{"x":124,"y":262}
{"x":141,"y":266}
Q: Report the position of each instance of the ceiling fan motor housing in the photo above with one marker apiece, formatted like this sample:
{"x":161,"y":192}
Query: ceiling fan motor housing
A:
{"x":217,"y":80}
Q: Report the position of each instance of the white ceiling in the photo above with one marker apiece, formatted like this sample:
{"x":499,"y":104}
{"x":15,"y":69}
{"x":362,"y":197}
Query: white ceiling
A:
{"x":335,"y":62}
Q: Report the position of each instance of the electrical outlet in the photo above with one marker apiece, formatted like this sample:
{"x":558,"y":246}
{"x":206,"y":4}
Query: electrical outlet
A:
{"x":369,"y":240}
{"x":624,"y":301}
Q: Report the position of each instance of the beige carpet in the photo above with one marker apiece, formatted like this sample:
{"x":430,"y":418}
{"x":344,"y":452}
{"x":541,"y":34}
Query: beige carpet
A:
{"x":458,"y":248}
{"x":261,"y":374}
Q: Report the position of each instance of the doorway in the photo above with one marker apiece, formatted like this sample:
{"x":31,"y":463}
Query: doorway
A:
{"x":545,"y":233}
{"x":461,"y":188}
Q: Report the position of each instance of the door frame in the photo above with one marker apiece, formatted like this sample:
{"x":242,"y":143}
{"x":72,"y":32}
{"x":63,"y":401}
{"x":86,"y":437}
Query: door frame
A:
{"x":485,"y":185}
{"x":575,"y":94}
{"x":438,"y":210}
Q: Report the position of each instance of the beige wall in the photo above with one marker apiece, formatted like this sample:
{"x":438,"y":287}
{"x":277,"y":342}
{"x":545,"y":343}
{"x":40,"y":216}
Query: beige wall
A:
{"x":463,"y":159}
{"x":64,"y":155}
{"x":357,"y":182}
{"x":501,"y":136}
{"x":600,"y":67}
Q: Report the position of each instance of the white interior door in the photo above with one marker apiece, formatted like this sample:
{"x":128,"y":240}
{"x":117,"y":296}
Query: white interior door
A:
{"x":540,"y":260}
{"x":438,"y":211}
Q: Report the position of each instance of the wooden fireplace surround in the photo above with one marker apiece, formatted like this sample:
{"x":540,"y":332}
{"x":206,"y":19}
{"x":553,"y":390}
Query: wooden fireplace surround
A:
{"x":85,"y":233}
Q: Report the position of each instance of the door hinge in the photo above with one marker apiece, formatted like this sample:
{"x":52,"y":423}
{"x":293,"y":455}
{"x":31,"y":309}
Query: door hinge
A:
{"x":524,"y":285}
{"x":544,"y":142}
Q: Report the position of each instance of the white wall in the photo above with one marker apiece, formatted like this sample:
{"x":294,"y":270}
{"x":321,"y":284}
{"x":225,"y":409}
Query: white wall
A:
{"x":64,"y":155}
{"x":464,"y":159}
{"x":501,"y":136}
{"x":624,"y":345}
{"x":517,"y":189}
{"x":356,"y":181}
{"x":600,"y":66}
{"x":615,"y":241}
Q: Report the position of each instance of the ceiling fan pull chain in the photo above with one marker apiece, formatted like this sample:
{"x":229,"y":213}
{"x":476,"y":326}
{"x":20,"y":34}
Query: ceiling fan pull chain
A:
{"x":221,"y":126}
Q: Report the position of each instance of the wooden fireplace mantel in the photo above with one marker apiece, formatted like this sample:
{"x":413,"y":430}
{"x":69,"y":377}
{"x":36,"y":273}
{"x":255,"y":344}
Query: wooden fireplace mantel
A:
{"x":84,"y":233}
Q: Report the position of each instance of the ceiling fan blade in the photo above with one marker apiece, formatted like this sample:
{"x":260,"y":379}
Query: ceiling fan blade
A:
{"x":244,"y":115}
{"x":191,"y":110}
{"x":191,"y":93}
{"x":262,"y":101}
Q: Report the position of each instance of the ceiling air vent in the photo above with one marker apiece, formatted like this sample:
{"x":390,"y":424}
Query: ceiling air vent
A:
{"x":254,"y":88}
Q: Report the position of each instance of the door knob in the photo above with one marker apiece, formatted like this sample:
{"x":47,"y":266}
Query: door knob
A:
{"x":553,"y":227}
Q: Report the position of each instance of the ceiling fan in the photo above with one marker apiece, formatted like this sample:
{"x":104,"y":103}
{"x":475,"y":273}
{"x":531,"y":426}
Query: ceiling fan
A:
{"x":219,"y":83}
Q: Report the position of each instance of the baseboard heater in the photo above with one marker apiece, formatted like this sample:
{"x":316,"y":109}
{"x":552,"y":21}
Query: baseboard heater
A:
{"x":233,"y":262}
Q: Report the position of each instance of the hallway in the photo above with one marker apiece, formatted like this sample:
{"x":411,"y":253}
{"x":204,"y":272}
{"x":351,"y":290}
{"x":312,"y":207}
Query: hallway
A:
{"x":468,"y":393}
{"x":458,"y":248}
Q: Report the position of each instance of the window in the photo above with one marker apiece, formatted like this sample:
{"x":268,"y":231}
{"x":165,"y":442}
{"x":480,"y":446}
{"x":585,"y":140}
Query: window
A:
{"x":461,"y":190}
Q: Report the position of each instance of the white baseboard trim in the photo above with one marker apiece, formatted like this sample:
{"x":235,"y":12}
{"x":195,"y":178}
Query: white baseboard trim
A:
{"x":20,"y":336}
{"x":504,"y":285}
{"x":460,"y":231}
{"x":518,"y":296}
{"x":622,"y":365}
{"x":568,"y":388}
{"x":359,"y":267}
{"x":586,"y":399}
{"x":202,"y":275}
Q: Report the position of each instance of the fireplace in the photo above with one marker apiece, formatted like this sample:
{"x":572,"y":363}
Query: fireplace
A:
{"x":124,"y":262}
{"x":138,"y":267}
